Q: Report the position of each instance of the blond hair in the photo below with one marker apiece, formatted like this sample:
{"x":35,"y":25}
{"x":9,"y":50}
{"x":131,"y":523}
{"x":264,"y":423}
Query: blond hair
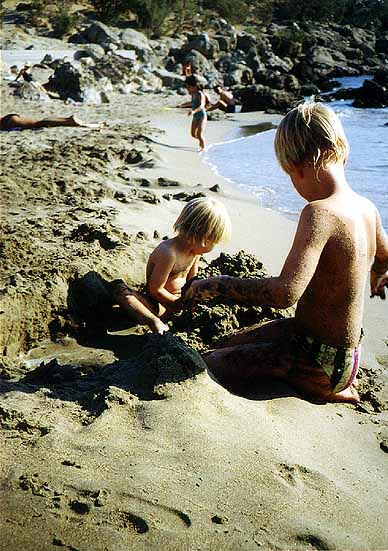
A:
{"x":310,"y":133}
{"x":204,"y":220}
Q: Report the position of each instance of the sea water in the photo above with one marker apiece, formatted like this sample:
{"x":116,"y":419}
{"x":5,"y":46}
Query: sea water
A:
{"x":250,"y":162}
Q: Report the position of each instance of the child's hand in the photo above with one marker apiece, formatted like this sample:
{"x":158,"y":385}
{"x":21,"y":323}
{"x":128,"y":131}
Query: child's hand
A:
{"x":378,"y":284}
{"x":198,"y":290}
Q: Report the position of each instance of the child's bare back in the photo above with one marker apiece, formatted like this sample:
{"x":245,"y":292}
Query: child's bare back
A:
{"x":332,"y":305}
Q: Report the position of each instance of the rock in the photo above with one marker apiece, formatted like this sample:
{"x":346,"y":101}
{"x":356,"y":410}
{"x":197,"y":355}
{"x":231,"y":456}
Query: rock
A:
{"x":135,"y":40}
{"x":262,"y":98}
{"x":382,"y":44}
{"x":170,"y":80}
{"x":226,"y":43}
{"x":203,"y":44}
{"x":371,"y":94}
{"x":97,"y":33}
{"x":94,"y":51}
{"x":245,"y":41}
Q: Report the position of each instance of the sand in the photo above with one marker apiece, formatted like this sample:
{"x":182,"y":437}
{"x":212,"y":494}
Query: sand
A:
{"x":97,"y":454}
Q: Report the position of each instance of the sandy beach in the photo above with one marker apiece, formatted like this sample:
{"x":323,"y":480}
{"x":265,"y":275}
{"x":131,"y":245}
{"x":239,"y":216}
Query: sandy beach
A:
{"x":125,"y":441}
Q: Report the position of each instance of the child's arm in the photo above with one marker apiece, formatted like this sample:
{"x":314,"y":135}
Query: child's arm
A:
{"x":194,"y":269}
{"x":379,"y":270}
{"x":285,"y":290}
{"x":184,"y":105}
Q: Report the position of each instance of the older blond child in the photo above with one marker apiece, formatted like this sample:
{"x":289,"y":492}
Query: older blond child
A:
{"x":339,"y":238}
{"x":202,"y":224}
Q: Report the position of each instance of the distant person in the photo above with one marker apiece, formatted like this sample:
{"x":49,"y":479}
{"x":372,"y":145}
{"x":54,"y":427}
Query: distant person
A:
{"x":200,"y":226}
{"x":339,"y":238}
{"x":14,"y":121}
{"x":225,"y":103}
{"x":198,"y":110}
{"x":26,"y":75}
{"x":187,"y":69}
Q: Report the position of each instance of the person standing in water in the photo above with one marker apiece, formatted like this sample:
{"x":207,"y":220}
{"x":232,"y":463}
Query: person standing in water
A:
{"x":198,"y":111}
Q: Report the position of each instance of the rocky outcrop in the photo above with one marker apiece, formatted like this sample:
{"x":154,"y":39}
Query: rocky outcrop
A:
{"x":373,"y":93}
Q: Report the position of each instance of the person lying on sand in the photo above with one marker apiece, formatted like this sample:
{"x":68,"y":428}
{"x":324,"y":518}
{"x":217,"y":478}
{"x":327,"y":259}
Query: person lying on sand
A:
{"x":14,"y":121}
{"x":339,"y":238}
{"x":200,"y":226}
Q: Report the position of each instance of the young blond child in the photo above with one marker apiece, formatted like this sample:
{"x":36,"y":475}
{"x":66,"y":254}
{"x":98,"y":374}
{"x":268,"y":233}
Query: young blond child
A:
{"x":202,"y":224}
{"x":339,"y":238}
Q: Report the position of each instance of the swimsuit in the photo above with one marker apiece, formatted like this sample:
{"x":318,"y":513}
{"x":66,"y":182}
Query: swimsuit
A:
{"x":339,"y":364}
{"x":195,"y":103}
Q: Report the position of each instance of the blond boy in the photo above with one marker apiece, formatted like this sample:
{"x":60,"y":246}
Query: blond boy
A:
{"x":200,"y":226}
{"x":339,"y":238}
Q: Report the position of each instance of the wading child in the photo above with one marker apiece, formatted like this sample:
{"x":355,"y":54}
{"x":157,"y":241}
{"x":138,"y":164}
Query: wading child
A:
{"x":198,"y":111}
{"x":201,"y":225}
{"x":339,"y":238}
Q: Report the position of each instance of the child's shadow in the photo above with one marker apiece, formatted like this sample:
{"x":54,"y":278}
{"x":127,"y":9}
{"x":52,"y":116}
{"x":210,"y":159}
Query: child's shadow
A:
{"x":91,"y":305}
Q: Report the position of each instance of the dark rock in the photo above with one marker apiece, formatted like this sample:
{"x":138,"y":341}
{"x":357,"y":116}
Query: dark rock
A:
{"x":80,"y":507}
{"x":263,"y":98}
{"x":96,"y":33}
{"x":203,"y":44}
{"x":216,"y":188}
{"x":246,"y":41}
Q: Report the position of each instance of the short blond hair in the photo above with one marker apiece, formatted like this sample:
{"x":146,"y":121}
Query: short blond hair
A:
{"x":310,"y":133}
{"x":204,"y":220}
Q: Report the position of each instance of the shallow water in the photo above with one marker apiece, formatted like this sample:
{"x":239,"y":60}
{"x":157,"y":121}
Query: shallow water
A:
{"x":250,"y":162}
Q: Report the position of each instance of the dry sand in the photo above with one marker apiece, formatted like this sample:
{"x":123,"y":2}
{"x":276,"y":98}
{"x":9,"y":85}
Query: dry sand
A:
{"x":96,"y":455}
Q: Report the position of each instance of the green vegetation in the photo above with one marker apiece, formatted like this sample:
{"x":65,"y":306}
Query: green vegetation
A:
{"x":159,"y":16}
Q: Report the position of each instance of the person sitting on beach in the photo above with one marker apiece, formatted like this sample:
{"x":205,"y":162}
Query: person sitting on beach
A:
{"x":25,"y":73}
{"x":198,"y":110}
{"x":225,"y":102}
{"x":339,"y":238}
{"x":202,"y":224}
{"x":14,"y":121}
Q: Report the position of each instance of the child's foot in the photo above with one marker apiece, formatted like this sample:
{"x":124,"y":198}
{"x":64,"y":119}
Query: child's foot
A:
{"x":349,"y":395}
{"x":157,"y":326}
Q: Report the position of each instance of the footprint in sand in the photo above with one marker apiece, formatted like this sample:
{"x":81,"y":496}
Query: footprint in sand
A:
{"x":295,"y":475}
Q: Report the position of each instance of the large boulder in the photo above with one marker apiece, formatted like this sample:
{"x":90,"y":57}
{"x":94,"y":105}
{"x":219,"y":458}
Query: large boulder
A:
{"x":135,"y":40}
{"x":203,"y":44}
{"x":169,"y":79}
{"x":262,"y":98}
{"x":90,"y":50}
{"x":245,"y":41}
{"x":96,"y":33}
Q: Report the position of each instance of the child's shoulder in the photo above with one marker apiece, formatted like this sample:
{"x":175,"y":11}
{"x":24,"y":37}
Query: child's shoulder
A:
{"x":165,"y":249}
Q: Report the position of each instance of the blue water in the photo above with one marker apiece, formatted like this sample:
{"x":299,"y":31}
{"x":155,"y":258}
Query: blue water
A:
{"x":250,"y":162}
